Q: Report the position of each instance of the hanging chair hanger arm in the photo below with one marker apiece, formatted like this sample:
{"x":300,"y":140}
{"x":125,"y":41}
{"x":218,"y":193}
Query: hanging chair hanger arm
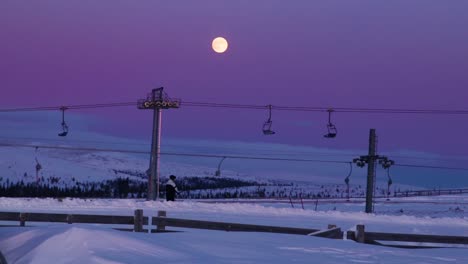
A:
{"x":269,"y":117}
{"x":221,"y":162}
{"x":64,"y":124}
{"x":330,"y":111}
{"x":63,"y":108}
{"x":388,"y":175}
{"x":350,"y":169}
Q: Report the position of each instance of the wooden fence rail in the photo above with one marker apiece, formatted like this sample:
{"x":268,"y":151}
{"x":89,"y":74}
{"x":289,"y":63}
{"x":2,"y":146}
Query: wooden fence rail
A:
{"x":362,"y":236}
{"x":430,"y":192}
{"x":161,"y":222}
{"x":416,"y":238}
{"x":76,"y":218}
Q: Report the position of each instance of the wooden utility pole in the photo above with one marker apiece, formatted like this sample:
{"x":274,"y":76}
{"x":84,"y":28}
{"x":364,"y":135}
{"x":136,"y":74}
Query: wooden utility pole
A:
{"x":157,"y":101}
{"x":371,"y":162}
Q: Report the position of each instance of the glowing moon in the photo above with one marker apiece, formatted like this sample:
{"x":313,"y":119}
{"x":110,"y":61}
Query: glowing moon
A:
{"x":219,"y":45}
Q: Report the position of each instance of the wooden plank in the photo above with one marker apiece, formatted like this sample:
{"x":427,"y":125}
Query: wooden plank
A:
{"x":416,"y":238}
{"x":76,"y":218}
{"x":146,"y":230}
{"x":103,"y":219}
{"x":9,"y":216}
{"x":41,"y":217}
{"x":161,"y":227}
{"x":138,"y":221}
{"x":351,"y":235}
{"x":361,"y":234}
{"x":372,"y":236}
{"x":23,"y":219}
{"x":334,"y":233}
{"x":185,"y":223}
{"x":129,"y":229}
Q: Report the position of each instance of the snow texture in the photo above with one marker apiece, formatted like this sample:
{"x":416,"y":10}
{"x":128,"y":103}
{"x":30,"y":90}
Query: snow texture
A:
{"x":93,"y":243}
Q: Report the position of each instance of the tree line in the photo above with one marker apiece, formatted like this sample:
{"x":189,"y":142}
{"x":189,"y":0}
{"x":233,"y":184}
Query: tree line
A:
{"x":190,"y":188}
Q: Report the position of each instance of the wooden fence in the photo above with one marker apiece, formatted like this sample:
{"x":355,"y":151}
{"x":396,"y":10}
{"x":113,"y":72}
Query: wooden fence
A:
{"x":361,"y":236}
{"x":430,"y":192}
{"x":138,"y":220}
{"x":162,"y":221}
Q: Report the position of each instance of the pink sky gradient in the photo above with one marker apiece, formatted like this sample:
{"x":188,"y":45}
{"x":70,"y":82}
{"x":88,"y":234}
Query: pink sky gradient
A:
{"x":386,"y":54}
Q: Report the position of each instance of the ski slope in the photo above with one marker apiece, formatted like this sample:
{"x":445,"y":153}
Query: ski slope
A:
{"x":81,"y":243}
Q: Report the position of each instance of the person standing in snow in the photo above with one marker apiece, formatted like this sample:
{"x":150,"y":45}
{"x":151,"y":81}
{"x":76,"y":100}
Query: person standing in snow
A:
{"x":171,"y":188}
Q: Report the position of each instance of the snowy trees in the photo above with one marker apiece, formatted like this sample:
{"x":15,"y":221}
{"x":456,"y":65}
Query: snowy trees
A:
{"x":190,"y":188}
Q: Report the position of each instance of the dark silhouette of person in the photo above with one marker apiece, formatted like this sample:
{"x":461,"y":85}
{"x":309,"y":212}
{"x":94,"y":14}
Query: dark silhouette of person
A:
{"x":171,"y":188}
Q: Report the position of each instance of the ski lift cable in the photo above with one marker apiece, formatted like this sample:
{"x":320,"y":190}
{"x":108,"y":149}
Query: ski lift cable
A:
{"x":268,"y":151}
{"x":172,"y":153}
{"x":201,"y":148}
{"x":50,"y":108}
{"x":3,"y":144}
{"x":245,"y":106}
{"x":453,"y":159}
{"x":431,"y":167}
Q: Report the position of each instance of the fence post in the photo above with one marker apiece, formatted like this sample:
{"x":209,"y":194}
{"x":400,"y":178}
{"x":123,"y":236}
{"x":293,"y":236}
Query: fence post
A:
{"x":360,"y":234}
{"x":161,"y":224}
{"x":138,"y":221}
{"x":22,"y":219}
{"x":70,"y":219}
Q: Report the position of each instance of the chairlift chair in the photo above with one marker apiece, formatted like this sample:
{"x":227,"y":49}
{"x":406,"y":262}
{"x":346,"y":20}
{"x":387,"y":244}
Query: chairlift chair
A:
{"x":267,"y":125}
{"x":332,"y":131}
{"x":267,"y":128}
{"x":64,"y":125}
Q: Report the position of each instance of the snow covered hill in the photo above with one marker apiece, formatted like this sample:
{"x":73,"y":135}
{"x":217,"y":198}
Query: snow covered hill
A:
{"x":87,"y":170}
{"x":98,"y":244}
{"x":67,"y":167}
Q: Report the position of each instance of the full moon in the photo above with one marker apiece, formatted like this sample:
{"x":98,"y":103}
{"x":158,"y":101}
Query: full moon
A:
{"x":219,"y":45}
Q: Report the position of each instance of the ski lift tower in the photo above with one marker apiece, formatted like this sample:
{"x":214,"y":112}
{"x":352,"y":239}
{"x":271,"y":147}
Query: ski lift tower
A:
{"x":371,"y":160}
{"x":156,"y":101}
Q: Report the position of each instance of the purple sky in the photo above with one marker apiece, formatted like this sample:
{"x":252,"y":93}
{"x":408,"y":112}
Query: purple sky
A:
{"x":388,"y":54}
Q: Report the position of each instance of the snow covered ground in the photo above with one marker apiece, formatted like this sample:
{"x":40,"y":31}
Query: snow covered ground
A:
{"x":80,"y":243}
{"x":92,"y":243}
